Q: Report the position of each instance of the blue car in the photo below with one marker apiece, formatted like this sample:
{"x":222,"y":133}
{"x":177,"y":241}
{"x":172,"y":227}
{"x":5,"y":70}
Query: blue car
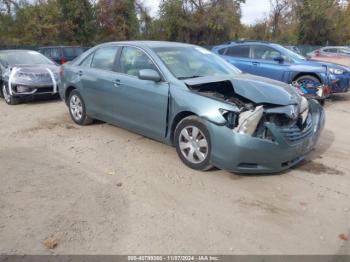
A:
{"x":277,"y":62}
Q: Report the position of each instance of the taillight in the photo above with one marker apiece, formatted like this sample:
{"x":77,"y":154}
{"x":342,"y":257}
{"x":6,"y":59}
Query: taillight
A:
{"x":317,"y":53}
{"x":63,"y":61}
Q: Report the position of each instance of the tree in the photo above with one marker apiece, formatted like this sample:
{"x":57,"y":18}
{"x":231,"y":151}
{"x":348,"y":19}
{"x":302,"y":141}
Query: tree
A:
{"x":116,"y":20}
{"x":198,"y":21}
{"x":77,"y":22}
{"x":278,"y":10}
{"x":316,"y":21}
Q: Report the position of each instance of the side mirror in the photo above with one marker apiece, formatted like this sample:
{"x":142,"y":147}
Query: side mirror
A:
{"x":149,"y":74}
{"x":279,"y":59}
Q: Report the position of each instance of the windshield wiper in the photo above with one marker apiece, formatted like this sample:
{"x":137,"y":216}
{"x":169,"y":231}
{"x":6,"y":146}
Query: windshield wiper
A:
{"x":188,"y":77}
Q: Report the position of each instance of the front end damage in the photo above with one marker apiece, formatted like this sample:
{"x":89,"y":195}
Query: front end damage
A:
{"x":261,"y":137}
{"x":24,"y":80}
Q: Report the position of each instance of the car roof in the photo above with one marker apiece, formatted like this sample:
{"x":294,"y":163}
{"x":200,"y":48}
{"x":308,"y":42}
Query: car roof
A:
{"x":149,"y":44}
{"x":335,"y":47}
{"x":16,"y":51}
{"x":59,"y":46}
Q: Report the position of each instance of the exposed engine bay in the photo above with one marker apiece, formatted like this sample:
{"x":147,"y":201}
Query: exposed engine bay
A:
{"x":250,"y":118}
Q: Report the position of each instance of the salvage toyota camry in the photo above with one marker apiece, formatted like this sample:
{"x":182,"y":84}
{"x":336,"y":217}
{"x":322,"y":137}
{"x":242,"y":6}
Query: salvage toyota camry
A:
{"x":186,"y":96}
{"x":24,"y":74}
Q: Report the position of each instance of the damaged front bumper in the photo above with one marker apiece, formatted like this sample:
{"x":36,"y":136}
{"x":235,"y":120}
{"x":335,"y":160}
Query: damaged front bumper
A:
{"x":247,"y":154}
{"x":22,"y":83}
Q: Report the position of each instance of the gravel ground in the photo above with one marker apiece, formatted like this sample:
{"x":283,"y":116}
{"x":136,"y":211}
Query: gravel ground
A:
{"x":103,"y":190}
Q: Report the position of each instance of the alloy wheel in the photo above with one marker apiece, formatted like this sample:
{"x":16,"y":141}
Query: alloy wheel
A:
{"x":76,"y":107}
{"x":193,"y":144}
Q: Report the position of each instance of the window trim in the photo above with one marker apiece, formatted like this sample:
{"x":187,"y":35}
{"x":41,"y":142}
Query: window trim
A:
{"x":93,"y":56}
{"x":251,"y":46}
{"x":238,"y":57}
{"x":163,"y":79}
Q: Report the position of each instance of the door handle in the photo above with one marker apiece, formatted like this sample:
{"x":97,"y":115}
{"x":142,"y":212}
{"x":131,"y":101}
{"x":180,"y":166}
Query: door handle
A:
{"x":117,"y":83}
{"x":256,"y":63}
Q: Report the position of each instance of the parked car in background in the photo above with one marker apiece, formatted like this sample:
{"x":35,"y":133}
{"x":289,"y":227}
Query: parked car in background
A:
{"x":186,"y":96}
{"x":331,"y":51}
{"x":277,"y":62}
{"x":24,"y":74}
{"x":62,"y":54}
{"x":294,"y":48}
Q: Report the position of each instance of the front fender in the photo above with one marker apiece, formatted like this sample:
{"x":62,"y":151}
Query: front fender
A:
{"x":184,"y":100}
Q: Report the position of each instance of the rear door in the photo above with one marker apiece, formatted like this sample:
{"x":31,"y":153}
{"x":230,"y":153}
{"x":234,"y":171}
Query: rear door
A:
{"x":141,"y":105}
{"x":264,"y":63}
{"x":239,"y":56}
{"x":97,"y":78}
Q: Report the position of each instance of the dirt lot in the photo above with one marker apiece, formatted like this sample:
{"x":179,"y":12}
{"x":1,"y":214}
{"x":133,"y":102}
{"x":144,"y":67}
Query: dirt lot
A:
{"x":103,"y":190}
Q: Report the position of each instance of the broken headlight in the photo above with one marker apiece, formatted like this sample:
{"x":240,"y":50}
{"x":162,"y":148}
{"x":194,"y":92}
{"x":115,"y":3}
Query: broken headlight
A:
{"x":304,"y":109}
{"x":249,"y":121}
{"x":231,"y":118}
{"x":245,"y":122}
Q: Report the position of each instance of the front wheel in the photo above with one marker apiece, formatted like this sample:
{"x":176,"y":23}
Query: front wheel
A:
{"x":77,"y":109}
{"x":9,"y":99}
{"x":192,"y":142}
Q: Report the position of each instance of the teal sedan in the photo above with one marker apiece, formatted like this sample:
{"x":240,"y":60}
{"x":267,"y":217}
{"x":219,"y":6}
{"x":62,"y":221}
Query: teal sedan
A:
{"x":188,"y":97}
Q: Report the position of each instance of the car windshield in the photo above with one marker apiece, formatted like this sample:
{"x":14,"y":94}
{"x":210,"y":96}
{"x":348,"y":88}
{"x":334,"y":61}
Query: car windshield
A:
{"x":72,"y":51}
{"x":24,"y":58}
{"x":191,"y":62}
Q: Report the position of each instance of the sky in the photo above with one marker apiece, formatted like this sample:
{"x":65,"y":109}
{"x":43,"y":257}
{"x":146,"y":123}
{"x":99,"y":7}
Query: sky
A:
{"x":252,"y":10}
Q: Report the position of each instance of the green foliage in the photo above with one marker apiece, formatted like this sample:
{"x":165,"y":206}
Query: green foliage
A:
{"x":116,"y":20}
{"x":77,"y":19}
{"x":196,"y":21}
{"x":205,"y":22}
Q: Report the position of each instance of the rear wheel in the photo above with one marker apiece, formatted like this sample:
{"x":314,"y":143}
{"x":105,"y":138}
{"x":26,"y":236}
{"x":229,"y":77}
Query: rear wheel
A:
{"x":192,"y":142}
{"x":77,"y":109}
{"x":9,"y":99}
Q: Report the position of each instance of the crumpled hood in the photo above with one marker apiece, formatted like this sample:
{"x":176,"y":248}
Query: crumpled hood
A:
{"x":257,"y":89}
{"x":38,"y":74}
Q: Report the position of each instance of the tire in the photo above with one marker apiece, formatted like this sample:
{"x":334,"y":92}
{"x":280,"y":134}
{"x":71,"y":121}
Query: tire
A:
{"x":194,"y":149}
{"x":308,"y":78}
{"x":9,"y":99}
{"x":77,"y":109}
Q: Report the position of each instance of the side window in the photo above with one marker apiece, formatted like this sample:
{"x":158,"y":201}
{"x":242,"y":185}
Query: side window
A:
{"x":104,"y":58}
{"x":238,"y":51}
{"x":132,"y":60}
{"x":264,"y":52}
{"x":87,"y":61}
{"x":55,"y":53}
{"x":331,"y":50}
{"x":267,"y":53}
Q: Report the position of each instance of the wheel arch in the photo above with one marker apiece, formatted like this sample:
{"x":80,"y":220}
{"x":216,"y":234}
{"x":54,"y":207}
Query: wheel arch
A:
{"x":67,"y":93}
{"x":176,"y":120}
{"x":307,"y":74}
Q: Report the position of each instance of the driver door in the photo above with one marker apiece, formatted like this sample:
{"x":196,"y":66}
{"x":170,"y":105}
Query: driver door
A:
{"x":265,"y":65}
{"x":140,"y":105}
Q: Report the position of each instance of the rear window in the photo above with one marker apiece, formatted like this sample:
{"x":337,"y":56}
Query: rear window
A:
{"x":238,"y":51}
{"x":72,"y":51}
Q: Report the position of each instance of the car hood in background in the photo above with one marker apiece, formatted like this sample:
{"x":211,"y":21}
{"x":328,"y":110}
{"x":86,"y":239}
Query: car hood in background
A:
{"x":319,"y":65}
{"x":257,"y":89}
{"x":32,"y":75}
